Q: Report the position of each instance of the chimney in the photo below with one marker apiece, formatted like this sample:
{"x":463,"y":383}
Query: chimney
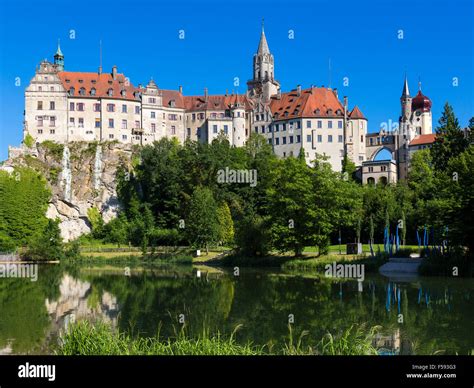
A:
{"x":335,"y":92}
{"x":205,"y":94}
{"x":100,"y":70}
{"x":345,"y":102}
{"x":114,"y":72}
{"x":298,"y":90}
{"x":181,"y":89}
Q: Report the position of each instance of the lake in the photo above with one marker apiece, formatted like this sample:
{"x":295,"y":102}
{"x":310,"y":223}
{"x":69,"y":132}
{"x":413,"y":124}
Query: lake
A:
{"x":419,"y":316}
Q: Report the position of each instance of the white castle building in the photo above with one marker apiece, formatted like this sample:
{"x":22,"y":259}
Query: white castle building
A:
{"x":65,"y":106}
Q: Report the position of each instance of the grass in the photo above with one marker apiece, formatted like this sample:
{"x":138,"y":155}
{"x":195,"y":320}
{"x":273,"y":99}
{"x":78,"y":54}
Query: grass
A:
{"x":371,"y":264}
{"x":84,"y":338}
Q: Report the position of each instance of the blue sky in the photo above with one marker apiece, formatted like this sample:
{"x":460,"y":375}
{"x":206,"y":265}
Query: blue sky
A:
{"x":142,"y":39}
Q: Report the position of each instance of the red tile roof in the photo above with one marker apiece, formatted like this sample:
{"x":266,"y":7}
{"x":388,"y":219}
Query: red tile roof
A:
{"x":423,"y":139}
{"x":215,"y":102}
{"x":356,"y":113}
{"x":312,"y":102}
{"x":100,"y":82}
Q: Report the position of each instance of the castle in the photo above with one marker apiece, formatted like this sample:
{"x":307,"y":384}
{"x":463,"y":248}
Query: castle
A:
{"x":65,"y":106}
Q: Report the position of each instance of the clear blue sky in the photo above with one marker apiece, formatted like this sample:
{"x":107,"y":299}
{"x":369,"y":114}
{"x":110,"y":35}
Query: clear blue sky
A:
{"x":141,"y":38}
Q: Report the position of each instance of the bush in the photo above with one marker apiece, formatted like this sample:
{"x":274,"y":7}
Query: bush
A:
{"x":437,"y":263}
{"x":47,"y":245}
{"x":252,"y":236}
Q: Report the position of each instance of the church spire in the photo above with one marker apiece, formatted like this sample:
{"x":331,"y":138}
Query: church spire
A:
{"x":59,"y":58}
{"x":405,"y":92}
{"x":263,"y":45}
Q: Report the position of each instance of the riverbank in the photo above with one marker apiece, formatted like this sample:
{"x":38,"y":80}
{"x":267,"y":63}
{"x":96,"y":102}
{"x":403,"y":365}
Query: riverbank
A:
{"x":86,"y":339}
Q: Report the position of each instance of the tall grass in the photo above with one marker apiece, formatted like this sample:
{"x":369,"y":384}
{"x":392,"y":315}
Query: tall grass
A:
{"x":85,"y":338}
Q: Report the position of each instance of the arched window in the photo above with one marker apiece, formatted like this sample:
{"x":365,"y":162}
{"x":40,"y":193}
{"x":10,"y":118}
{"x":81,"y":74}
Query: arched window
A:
{"x":82,"y":91}
{"x":93,"y":92}
{"x":71,"y":91}
{"x":110,"y":92}
{"x":383,"y":180}
{"x":123,"y":92}
{"x":371,"y":181}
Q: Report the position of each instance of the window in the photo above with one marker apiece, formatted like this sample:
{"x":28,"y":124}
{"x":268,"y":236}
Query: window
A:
{"x":124,"y":108}
{"x":40,"y":88}
{"x":82,"y":91}
{"x":111,"y":135}
{"x":40,"y":121}
{"x":291,"y":139}
{"x":153,"y":128}
{"x":124,"y":137}
{"x":193,"y":116}
{"x":71,"y":122}
{"x":298,"y":138}
{"x":309,"y":138}
{"x":52,"y":105}
{"x":330,"y":124}
{"x":137,"y":110}
{"x":188,"y":133}
{"x":226,"y":129}
{"x":320,"y":124}
{"x":52,"y":121}
{"x":97,"y":123}
{"x":371,"y":169}
{"x":173,"y":130}
{"x":81,"y":122}
{"x":329,"y":138}
{"x":298,"y":124}
{"x":124,"y":124}
{"x":110,"y":92}
{"x":111,"y":123}
{"x":277,"y":141}
{"x":361,"y":138}
{"x":137,"y":124}
{"x":93,"y":92}
{"x":172,"y":117}
{"x":51,"y":89}
{"x":40,"y":131}
{"x":339,"y":124}
{"x":96,"y":107}
{"x":40,"y":105}
{"x":308,"y":124}
{"x":52,"y":131}
{"x":214,"y":128}
{"x":110,"y":107}
{"x":284,"y":126}
{"x":283,"y":139}
{"x":152,"y":115}
{"x":263,"y":128}
{"x":320,"y":138}
{"x":152,"y":100}
{"x":339,"y":138}
{"x":80,"y":107}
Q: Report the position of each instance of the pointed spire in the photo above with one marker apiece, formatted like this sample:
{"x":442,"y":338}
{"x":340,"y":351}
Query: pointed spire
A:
{"x":58,"y":51}
{"x":419,"y":84}
{"x":406,"y":92}
{"x":263,"y":45}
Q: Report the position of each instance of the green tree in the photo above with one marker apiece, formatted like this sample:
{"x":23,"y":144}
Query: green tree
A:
{"x":202,"y":224}
{"x":47,"y":245}
{"x":450,"y":140}
{"x":226,"y":224}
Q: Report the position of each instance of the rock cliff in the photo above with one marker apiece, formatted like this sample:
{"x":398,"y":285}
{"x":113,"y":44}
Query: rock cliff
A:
{"x":81,"y":176}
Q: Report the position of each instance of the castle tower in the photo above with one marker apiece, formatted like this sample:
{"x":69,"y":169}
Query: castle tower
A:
{"x":59,"y":59}
{"x":238,"y":123}
{"x":263,"y":83}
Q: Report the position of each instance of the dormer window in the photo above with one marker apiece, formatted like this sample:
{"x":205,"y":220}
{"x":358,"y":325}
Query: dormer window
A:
{"x":339,"y":112}
{"x":93,"y":92}
{"x":172,"y":103}
{"x":68,"y":81}
{"x":110,"y":82}
{"x":71,"y":91}
{"x":110,"y":92}
{"x":123,"y":92}
{"x":82,"y":91}
{"x":81,"y":81}
{"x":93,"y":81}
{"x":317,"y":111}
{"x":329,"y":111}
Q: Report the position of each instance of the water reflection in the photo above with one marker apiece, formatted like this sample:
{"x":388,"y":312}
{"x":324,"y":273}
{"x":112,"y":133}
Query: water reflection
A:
{"x":421,"y":316}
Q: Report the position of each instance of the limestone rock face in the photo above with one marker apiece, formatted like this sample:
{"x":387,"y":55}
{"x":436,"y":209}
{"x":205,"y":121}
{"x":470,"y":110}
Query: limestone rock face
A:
{"x":81,"y":175}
